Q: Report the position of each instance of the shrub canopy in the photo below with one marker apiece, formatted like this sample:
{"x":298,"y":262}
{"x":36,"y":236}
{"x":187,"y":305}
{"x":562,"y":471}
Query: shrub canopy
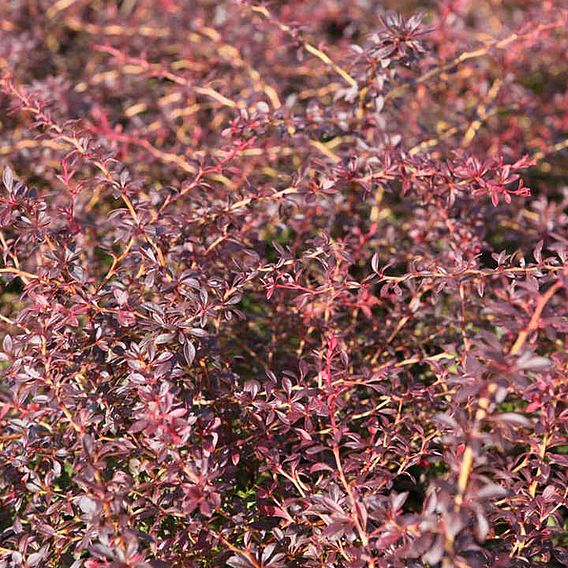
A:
{"x":283,"y":285}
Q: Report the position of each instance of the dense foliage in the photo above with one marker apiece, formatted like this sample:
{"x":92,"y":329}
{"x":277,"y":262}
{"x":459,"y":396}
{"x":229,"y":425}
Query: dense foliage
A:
{"x":283,"y":285}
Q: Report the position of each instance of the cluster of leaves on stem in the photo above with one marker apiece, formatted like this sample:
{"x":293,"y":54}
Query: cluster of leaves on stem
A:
{"x":283,"y":284}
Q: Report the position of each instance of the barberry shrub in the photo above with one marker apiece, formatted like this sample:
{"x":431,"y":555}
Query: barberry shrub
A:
{"x":284,"y":284}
